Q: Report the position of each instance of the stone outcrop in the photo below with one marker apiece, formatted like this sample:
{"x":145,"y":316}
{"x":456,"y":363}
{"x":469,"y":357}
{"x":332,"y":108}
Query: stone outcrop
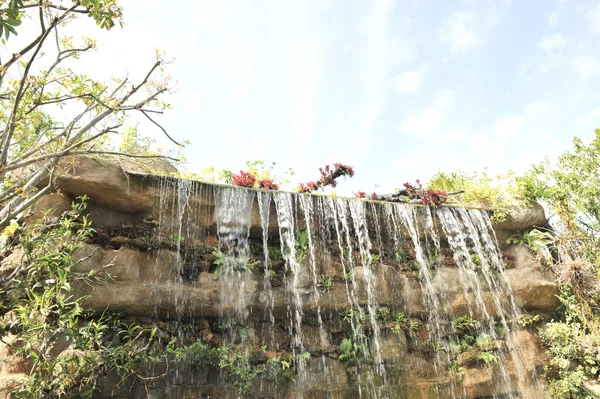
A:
{"x":160,"y":278}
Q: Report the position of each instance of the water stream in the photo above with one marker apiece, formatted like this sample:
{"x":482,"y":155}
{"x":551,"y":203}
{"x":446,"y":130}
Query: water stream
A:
{"x":354,"y":243}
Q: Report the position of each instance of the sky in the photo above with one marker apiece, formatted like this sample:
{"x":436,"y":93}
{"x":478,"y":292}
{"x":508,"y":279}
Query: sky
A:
{"x":397,"y":89}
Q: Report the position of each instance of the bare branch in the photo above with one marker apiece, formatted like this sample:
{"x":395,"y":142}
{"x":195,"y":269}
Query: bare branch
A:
{"x":161,"y":128}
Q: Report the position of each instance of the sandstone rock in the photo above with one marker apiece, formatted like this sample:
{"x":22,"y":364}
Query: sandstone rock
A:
{"x":522,"y":256}
{"x":431,"y":388}
{"x":522,"y":217}
{"x":529,"y":347}
{"x":13,"y":260}
{"x":57,"y":203}
{"x":482,"y":383}
{"x":323,"y":378}
{"x":419,"y":368}
{"x":393,"y":347}
{"x":317,"y":339}
{"x":10,"y":362}
{"x":8,"y":382}
{"x":105,"y":184}
{"x":467,"y":358}
{"x":159,"y":166}
{"x":534,"y":289}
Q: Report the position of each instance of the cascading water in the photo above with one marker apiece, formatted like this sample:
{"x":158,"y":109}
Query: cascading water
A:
{"x":233,"y":214}
{"x":264,"y":201}
{"x":354,"y":243}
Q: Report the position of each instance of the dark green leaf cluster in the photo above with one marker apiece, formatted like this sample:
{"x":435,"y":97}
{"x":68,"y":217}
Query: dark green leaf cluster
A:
{"x":45,"y":312}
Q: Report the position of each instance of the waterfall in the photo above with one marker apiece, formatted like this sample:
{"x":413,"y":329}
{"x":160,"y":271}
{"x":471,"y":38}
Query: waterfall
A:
{"x":335,"y":274}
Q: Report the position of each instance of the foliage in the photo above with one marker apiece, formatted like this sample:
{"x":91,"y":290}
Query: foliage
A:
{"x":241,"y":264}
{"x":499,"y":193}
{"x":570,"y":342}
{"x":270,"y":274}
{"x":414,"y":266}
{"x":484,"y":342}
{"x":454,"y":367}
{"x":244,"y":179}
{"x":348,"y":277}
{"x":302,"y":241}
{"x":476,"y":260}
{"x":536,"y":240}
{"x":41,"y":307}
{"x":374,"y":258}
{"x":325,"y":282}
{"x":466,"y":343}
{"x":402,"y":256}
{"x":198,"y":354}
{"x":354,"y":317}
{"x":278,"y":371}
{"x":399,"y":317}
{"x":49,"y":110}
{"x":353,"y":349}
{"x":329,"y":175}
{"x":275,"y":254}
{"x":488,"y":357}
{"x":249,"y":179}
{"x":464,"y":324}
{"x":429,"y":196}
{"x":348,"y":350}
{"x":529,"y":320}
{"x":267,"y":173}
{"x":267,"y":184}
{"x":571,"y":185}
{"x":413,"y":329}
{"x":383,"y":314}
{"x":240,"y":368}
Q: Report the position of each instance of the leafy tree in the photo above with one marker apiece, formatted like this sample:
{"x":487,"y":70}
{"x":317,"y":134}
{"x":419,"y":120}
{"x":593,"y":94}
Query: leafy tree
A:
{"x":571,"y":185}
{"x":41,"y":308}
{"x":38,"y":91}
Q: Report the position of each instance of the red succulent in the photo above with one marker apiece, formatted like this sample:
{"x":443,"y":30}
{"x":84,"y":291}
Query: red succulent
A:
{"x":244,"y":179}
{"x":268,"y":184}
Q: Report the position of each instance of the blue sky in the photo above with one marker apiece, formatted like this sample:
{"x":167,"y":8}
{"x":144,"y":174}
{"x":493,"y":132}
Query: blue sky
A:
{"x":398,"y":89}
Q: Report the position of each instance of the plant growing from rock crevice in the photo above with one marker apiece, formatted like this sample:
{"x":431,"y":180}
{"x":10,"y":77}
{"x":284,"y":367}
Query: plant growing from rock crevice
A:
{"x":42,"y":308}
{"x":325,"y":283}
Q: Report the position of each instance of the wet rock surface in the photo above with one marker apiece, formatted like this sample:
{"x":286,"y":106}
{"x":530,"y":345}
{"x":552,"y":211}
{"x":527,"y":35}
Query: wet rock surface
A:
{"x":165,"y":263}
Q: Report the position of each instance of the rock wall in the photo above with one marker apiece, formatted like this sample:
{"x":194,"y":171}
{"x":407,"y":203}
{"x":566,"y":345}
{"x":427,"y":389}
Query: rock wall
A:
{"x":165,"y":239}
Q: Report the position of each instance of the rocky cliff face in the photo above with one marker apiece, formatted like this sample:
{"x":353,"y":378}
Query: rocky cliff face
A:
{"x":364,"y":299}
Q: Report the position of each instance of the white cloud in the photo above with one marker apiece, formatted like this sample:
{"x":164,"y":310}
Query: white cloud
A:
{"x":553,"y":19}
{"x":460,"y":31}
{"x":553,"y":42}
{"x":539,"y":107}
{"x":593,"y":16}
{"x":585,"y":66}
{"x":480,"y":143}
{"x":445,"y":99}
{"x":410,"y":81}
{"x":427,"y":121}
{"x":505,"y":129}
{"x":452,"y":136}
{"x":499,"y":135}
{"x":465,"y":30}
{"x":303,"y":66}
